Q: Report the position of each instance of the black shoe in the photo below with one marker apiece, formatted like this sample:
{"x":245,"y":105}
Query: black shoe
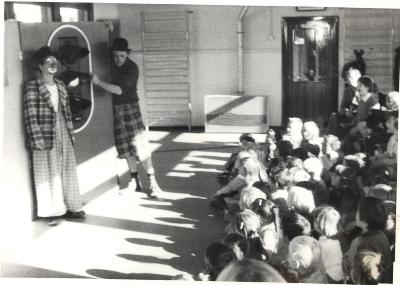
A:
{"x":75,"y":215}
{"x":52,"y":221}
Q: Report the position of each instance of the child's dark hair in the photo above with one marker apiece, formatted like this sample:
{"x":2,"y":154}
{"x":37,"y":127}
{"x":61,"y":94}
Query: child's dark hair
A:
{"x":368,"y":82}
{"x":285,"y":148}
{"x":373,"y":212}
{"x":237,"y":239}
{"x":217,"y":257}
{"x":295,"y":225}
{"x":247,"y":137}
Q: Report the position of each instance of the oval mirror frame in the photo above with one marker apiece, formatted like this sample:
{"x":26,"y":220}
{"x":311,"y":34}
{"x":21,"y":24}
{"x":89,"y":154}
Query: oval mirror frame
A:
{"x":69,"y":26}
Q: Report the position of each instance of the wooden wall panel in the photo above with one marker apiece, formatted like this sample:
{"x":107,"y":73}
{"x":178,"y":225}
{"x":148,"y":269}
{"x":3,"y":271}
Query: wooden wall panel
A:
{"x":372,"y":31}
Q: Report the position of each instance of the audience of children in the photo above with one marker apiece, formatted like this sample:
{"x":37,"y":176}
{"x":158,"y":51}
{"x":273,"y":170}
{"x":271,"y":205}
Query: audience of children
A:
{"x":313,"y":209}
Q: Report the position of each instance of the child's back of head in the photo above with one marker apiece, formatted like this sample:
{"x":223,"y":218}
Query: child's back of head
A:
{"x":305,"y":258}
{"x":326,"y":221}
{"x":216,"y":258}
{"x":250,"y":270}
{"x":301,"y":200}
{"x":248,"y":195}
{"x":294,"y":225}
{"x":244,"y":222}
{"x":372,"y":214}
{"x":239,"y":245}
{"x":367,"y":268}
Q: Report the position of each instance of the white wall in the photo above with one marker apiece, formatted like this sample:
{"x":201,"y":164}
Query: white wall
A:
{"x":16,"y":207}
{"x":214,"y":50}
{"x":104,"y":11}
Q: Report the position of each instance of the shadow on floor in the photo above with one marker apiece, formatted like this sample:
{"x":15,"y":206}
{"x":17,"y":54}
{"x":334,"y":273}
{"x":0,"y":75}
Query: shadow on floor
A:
{"x":188,"y":244}
{"x":23,"y":271}
{"x":109,"y":274}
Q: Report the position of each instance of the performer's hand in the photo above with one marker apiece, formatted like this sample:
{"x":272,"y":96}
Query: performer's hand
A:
{"x":94,"y":78}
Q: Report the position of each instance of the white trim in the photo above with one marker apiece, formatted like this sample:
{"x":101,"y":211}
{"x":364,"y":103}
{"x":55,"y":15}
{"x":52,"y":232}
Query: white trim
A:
{"x":90,"y":67}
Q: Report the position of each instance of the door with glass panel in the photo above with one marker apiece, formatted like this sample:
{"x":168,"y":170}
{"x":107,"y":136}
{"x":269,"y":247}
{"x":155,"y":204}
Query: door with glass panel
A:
{"x":310,"y":68}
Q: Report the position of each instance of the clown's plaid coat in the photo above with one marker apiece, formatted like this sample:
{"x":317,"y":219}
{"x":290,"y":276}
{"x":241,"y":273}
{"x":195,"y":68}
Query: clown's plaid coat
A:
{"x":40,"y":117}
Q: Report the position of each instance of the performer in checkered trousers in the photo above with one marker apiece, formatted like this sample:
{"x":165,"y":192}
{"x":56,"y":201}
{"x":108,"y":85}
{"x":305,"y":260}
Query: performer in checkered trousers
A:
{"x":50,"y":139}
{"x":130,"y":134}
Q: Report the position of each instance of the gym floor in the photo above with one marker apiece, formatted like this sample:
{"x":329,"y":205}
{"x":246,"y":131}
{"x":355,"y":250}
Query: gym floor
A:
{"x":127,"y":235}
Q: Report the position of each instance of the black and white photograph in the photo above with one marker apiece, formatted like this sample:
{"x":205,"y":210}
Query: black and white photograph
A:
{"x":240,"y":141}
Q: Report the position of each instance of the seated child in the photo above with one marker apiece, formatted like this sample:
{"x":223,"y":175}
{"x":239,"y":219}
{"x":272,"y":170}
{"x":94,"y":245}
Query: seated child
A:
{"x":301,"y":200}
{"x":305,"y":260}
{"x":330,"y":151}
{"x":250,"y":270}
{"x":248,"y":195}
{"x":371,"y":217}
{"x":216,"y":258}
{"x":314,"y":167}
{"x":247,"y":223}
{"x":270,"y":231}
{"x":244,"y":141}
{"x":252,"y":174}
{"x":327,"y":224}
{"x":311,"y":135}
{"x":294,"y":225}
{"x":367,"y":268}
{"x":239,"y":182}
{"x":239,"y":245}
{"x":293,"y":132}
{"x":389,"y":157}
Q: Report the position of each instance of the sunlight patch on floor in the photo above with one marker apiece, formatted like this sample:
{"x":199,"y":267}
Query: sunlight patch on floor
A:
{"x":212,"y":138}
{"x":180,"y":174}
{"x":191,"y":168}
{"x":157,"y":135}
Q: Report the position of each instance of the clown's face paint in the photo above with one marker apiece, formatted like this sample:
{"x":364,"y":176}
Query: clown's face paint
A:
{"x":49,"y":65}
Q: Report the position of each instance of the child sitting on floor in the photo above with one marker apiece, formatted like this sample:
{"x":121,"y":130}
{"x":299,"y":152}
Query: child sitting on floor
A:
{"x":250,"y":270}
{"x":239,"y":245}
{"x":371,"y":217}
{"x":311,"y":135}
{"x":327,"y":225}
{"x":294,"y":224}
{"x":216,"y":258}
{"x":305,"y":260}
{"x":294,"y":132}
{"x":367,"y":268}
{"x":230,"y":170}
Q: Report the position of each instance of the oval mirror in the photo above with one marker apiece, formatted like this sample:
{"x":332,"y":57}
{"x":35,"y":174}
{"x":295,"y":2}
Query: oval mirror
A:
{"x":75,"y":66}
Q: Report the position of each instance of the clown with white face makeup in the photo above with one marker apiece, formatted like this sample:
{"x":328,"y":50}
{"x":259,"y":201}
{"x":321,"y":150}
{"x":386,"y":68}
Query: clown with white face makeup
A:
{"x":50,"y":139}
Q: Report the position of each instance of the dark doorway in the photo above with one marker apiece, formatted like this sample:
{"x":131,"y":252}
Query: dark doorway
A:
{"x":310,"y":68}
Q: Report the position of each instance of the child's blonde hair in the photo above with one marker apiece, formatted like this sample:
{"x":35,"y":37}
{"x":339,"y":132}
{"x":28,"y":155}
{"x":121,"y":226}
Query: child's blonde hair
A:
{"x":290,"y":176}
{"x":300,"y":199}
{"x":312,"y":128}
{"x":326,"y":221}
{"x":248,"y":195}
{"x":367,"y":267}
{"x":305,"y":255}
{"x":314,"y":167}
{"x":252,"y":170}
{"x":244,"y":222}
{"x":295,"y":124}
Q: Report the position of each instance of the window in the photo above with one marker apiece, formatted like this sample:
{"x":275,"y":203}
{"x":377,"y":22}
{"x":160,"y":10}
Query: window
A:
{"x":30,"y":13}
{"x":35,"y":12}
{"x":69,"y":14}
